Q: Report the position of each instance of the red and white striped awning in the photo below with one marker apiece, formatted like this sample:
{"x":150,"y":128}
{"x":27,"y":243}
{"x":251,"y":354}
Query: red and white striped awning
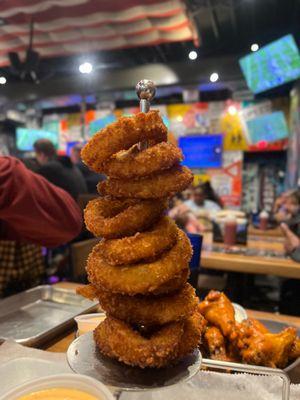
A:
{"x":63,"y":27}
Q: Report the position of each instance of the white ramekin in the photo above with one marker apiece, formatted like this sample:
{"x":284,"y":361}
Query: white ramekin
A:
{"x":88,"y":322}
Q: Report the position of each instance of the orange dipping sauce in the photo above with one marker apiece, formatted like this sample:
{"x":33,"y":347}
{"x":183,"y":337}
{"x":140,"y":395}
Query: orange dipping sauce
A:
{"x":59,"y":394}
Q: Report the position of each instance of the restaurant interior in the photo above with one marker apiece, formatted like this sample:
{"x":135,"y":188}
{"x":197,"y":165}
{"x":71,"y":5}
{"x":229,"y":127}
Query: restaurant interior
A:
{"x":149,"y":199}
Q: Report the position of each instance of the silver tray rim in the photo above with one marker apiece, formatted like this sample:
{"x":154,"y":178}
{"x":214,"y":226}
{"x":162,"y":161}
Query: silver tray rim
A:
{"x":49,"y":334}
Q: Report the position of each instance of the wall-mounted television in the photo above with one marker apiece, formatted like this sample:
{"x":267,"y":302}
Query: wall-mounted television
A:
{"x":268,"y":128}
{"x":272,"y":65}
{"x":26,"y":138}
{"x":202,"y":151}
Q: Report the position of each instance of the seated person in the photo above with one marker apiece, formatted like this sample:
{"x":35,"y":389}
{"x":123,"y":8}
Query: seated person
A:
{"x":287,"y":206}
{"x":58,"y":170}
{"x":292,"y":242}
{"x":290,"y":288}
{"x":91,"y":177}
{"x":200,"y":205}
{"x":210,"y":194}
{"x":185,"y":219}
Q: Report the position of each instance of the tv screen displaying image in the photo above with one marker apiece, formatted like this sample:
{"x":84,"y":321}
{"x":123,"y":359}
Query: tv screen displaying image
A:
{"x":268,"y":127}
{"x":272,"y":65}
{"x":202,"y":151}
{"x":26,"y":138}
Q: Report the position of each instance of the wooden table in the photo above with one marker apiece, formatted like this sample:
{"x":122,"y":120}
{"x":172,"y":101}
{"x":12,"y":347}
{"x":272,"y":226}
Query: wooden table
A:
{"x":275,"y":232}
{"x":283,"y":267}
{"x":62,"y":344}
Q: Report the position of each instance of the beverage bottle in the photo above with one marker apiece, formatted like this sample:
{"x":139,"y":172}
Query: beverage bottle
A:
{"x":263,"y":220}
{"x":230,"y":229}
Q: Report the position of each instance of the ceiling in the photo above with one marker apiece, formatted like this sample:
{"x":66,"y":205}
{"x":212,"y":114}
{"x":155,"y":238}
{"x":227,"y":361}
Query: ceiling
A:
{"x":64,"y":27}
{"x":123,"y":35}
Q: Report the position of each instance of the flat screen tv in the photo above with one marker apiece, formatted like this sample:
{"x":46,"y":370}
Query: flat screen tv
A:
{"x":26,"y":138}
{"x":272,"y":65}
{"x":202,"y":151}
{"x":268,"y":128}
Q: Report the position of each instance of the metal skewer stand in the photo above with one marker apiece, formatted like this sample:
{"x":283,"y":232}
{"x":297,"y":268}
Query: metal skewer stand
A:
{"x":84,"y":357}
{"x":145,"y":89}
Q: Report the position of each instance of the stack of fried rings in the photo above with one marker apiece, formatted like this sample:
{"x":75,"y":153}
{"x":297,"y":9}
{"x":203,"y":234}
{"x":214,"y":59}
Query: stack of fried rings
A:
{"x":139,"y":269}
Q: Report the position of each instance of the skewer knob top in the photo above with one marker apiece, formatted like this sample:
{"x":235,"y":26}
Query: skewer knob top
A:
{"x":145,"y":89}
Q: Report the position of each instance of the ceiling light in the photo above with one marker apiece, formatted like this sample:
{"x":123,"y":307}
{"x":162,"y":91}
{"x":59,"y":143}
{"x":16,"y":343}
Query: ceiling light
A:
{"x":254,"y":47}
{"x":86,"y":68}
{"x":214,"y":77}
{"x":193,"y":55}
{"x":2,"y":80}
{"x":232,"y":110}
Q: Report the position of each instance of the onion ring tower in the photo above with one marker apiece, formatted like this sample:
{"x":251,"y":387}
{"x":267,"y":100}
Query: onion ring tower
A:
{"x":139,"y":270}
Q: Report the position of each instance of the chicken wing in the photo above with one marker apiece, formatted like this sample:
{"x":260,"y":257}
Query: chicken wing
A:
{"x":249,"y":341}
{"x":258,"y":346}
{"x":295,"y":350}
{"x":254,"y":326}
{"x":214,"y":343}
{"x":218,"y":311}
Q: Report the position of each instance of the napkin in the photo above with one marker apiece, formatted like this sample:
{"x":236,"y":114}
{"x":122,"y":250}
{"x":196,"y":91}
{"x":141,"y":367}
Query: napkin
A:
{"x":208,"y":385}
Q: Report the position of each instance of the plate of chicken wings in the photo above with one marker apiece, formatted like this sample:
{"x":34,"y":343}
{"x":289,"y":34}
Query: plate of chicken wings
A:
{"x":265,"y":343}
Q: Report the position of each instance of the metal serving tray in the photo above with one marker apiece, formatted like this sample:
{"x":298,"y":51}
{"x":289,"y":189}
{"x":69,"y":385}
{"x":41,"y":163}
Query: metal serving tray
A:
{"x":37,"y":315}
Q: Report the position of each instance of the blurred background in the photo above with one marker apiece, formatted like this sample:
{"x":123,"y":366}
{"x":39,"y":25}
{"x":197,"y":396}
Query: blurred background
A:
{"x":226,"y":73}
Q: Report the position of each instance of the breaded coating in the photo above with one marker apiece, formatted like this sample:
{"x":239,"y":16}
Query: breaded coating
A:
{"x":150,"y":310}
{"x":160,"y":185}
{"x":117,"y":339}
{"x":141,"y":278}
{"x":121,"y":135}
{"x":115,"y":218}
{"x":141,"y":246}
{"x":194,"y":327}
{"x":134,"y":164}
{"x":164,"y":346}
{"x":139,"y":270}
{"x":88,"y":291}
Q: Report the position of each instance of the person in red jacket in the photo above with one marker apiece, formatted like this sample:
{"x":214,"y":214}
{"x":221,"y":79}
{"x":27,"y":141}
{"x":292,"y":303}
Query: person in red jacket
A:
{"x":33,"y":213}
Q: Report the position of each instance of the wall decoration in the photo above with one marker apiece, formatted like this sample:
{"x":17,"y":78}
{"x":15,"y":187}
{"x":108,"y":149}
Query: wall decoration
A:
{"x":227,"y":181}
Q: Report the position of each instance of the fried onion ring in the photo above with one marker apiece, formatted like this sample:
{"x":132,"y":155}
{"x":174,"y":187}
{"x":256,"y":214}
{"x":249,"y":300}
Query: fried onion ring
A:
{"x":117,"y":339}
{"x":141,"y":246}
{"x":114,"y":218}
{"x":166,"y":345}
{"x":164,"y":184}
{"x":150,"y":310}
{"x":142,"y":278}
{"x":173,"y":284}
{"x":121,"y":135}
{"x":143,"y":163}
{"x":88,"y":291}
{"x":194,"y":328}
